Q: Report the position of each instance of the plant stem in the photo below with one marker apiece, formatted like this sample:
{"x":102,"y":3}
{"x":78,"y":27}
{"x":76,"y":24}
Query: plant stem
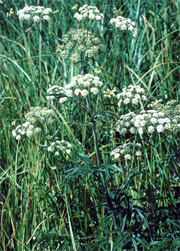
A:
{"x":108,"y":199}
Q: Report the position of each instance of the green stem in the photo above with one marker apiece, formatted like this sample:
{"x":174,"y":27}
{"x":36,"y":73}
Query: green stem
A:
{"x":40,"y":49}
{"x":96,"y":146}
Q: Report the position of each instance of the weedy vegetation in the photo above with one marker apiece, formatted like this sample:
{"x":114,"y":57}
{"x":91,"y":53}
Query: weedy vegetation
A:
{"x":90,"y":125}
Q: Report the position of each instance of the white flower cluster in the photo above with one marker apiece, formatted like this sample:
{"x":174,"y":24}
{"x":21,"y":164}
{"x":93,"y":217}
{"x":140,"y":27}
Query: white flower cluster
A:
{"x":25,"y":129}
{"x":132,"y":95}
{"x":55,"y":91}
{"x":60,"y":148}
{"x":88,"y":12}
{"x":36,"y":117}
{"x":126,"y":151}
{"x":78,"y":43}
{"x":109,"y":93}
{"x":40,"y":115}
{"x":147,"y":122}
{"x":125,"y":24}
{"x":80,"y":85}
{"x":83,"y":85}
{"x":35,"y":13}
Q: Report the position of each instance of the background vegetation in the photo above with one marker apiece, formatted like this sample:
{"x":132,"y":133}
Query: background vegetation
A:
{"x":89,"y":201}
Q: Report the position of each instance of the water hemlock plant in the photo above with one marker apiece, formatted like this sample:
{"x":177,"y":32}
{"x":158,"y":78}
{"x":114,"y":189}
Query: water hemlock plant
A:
{"x":90,"y":125}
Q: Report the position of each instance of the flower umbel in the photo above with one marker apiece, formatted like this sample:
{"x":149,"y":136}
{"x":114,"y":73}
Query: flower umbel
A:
{"x":126,"y":151}
{"x":35,"y":13}
{"x":124,"y":24}
{"x":88,"y":12}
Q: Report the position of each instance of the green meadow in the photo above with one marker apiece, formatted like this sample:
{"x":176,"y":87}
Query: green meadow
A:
{"x":90,"y":125}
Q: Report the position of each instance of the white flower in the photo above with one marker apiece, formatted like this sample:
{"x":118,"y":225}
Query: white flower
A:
{"x":21,"y":16}
{"x":138,"y":153}
{"x":137,"y":96}
{"x":138,"y":144}
{"x":98,"y":18}
{"x":46,"y":17}
{"x":86,"y":83}
{"x":135,"y":32}
{"x":129,"y":94}
{"x":22,"y":132}
{"x":160,"y":128}
{"x":62,"y":100}
{"x":142,"y":123}
{"x":137,"y":123}
{"x":126,"y":101}
{"x":14,"y":133}
{"x":68,"y":151}
{"x":29,"y":132}
{"x":36,"y":19}
{"x":31,"y":127}
{"x":91,"y":16}
{"x":168,"y":126}
{"x":135,"y":101}
{"x":34,"y":13}
{"x":116,"y":155}
{"x":119,"y":103}
{"x":160,"y":114}
{"x":18,"y":137}
{"x":150,"y":129}
{"x":144,"y":97}
{"x":126,"y":124}
{"x":69,"y":145}
{"x":77,"y":91}
{"x":84,"y":93}
{"x":50,"y":149}
{"x":56,"y":154}
{"x":127,"y":156}
{"x":132,"y":130}
{"x":124,"y":24}
{"x":26,"y":124}
{"x":123,"y":131}
{"x":38,"y":130}
{"x":78,"y":16}
{"x":69,"y":93}
{"x":140,"y":131}
{"x":47,"y":11}
{"x":90,"y":12}
{"x":122,"y":151}
{"x":153,"y":120}
{"x":94,"y":90}
{"x":26,"y":17}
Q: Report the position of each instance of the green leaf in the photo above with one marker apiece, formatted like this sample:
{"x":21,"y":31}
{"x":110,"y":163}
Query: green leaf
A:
{"x":143,"y":242}
{"x":134,"y":244}
{"x":86,"y":159}
{"x":121,"y":238}
{"x":123,"y":223}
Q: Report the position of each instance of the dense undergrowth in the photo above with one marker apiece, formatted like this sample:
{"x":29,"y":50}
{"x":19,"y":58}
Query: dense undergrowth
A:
{"x":89,"y":125}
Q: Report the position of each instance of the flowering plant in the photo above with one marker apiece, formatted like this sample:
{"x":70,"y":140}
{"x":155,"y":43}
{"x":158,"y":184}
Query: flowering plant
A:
{"x":127,"y":151}
{"x":79,"y":44}
{"x":146,"y":123}
{"x":88,"y":12}
{"x":35,"y":13}
{"x":81,"y":86}
{"x":131,"y":95}
{"x":36,"y":119}
{"x":125,"y":24}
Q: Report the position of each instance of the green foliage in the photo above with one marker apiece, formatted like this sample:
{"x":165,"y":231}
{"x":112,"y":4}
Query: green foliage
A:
{"x":70,"y":179}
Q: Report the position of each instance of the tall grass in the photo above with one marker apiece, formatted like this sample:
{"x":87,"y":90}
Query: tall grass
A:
{"x":89,"y":201}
